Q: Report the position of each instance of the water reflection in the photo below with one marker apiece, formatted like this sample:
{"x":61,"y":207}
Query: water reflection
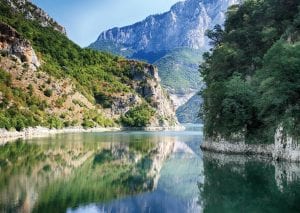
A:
{"x":176,"y":189}
{"x":140,"y":172}
{"x":66,"y":171}
{"x":244,"y":184}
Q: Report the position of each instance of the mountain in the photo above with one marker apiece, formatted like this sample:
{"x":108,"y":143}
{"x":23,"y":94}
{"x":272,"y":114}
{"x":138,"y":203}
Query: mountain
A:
{"x":178,"y":70}
{"x":47,"y":80}
{"x":183,"y":26}
{"x":186,"y":113}
{"x":174,"y":41}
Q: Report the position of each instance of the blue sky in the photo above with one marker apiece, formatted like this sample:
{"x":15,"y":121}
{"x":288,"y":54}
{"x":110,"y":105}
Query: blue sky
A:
{"x":85,"y":19}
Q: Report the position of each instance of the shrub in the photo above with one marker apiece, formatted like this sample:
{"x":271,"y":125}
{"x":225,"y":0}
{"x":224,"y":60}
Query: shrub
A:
{"x":55,"y":122}
{"x":88,"y":123}
{"x":48,"y":92}
{"x":138,"y":116}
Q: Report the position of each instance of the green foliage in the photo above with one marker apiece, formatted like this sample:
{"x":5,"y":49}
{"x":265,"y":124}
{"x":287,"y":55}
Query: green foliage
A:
{"x":279,"y":86}
{"x":103,"y":99}
{"x":138,"y":116}
{"x":48,"y":92}
{"x":5,"y":78}
{"x":237,"y":106}
{"x":98,"y":76}
{"x":252,"y":74}
{"x":178,"y":69}
{"x":55,"y":122}
{"x":88,"y":123}
{"x":93,"y":118}
{"x":19,"y":109}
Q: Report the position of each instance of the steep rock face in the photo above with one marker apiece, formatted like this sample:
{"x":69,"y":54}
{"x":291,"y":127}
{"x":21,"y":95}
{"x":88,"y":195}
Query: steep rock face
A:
{"x":32,"y":12}
{"x":12,"y":44}
{"x":285,"y":147}
{"x":146,"y":83}
{"x":183,"y":26}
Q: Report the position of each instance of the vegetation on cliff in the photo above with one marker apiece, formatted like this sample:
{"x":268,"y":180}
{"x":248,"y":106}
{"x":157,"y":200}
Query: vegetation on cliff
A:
{"x":252,"y":73}
{"x":178,"y":70}
{"x":138,"y":116}
{"x":100,"y":78}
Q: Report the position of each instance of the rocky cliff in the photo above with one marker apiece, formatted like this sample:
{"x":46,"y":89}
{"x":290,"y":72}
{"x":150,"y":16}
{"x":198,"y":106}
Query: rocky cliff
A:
{"x":147,"y":83}
{"x":285,"y":147}
{"x":11,"y":43}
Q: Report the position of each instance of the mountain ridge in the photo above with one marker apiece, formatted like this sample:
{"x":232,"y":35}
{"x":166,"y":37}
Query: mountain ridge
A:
{"x":184,"y":25}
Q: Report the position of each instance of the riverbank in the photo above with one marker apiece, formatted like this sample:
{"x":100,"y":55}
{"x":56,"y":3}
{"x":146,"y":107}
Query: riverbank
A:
{"x":284,"y":148}
{"x":155,"y":128}
{"x":36,"y":132}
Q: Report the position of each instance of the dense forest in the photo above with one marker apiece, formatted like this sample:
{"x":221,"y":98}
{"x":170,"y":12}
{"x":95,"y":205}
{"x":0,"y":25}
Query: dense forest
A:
{"x":252,"y":72}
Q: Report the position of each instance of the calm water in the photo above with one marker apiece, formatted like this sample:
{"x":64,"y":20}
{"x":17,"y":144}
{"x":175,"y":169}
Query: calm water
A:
{"x":140,"y":172}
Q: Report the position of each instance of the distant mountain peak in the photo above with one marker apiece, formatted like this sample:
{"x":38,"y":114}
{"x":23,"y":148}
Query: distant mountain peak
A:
{"x":184,"y":25}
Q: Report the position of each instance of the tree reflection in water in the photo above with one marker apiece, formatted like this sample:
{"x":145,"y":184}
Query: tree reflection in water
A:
{"x":245,"y":184}
{"x":65,"y":171}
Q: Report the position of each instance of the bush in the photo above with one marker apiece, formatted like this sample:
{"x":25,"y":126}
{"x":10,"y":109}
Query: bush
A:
{"x":48,"y":92}
{"x":5,"y":77}
{"x":55,"y":122}
{"x":138,"y":116}
{"x":88,"y":123}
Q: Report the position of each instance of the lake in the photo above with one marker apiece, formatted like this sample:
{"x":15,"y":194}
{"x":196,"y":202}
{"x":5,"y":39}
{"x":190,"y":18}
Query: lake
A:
{"x":140,"y":172}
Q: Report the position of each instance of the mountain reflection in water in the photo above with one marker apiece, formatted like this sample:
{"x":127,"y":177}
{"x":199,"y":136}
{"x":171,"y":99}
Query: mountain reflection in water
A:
{"x":140,"y":172}
{"x":70,"y":171}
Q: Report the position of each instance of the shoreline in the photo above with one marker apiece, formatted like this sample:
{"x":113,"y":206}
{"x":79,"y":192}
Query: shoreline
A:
{"x":39,"y":132}
{"x":280,"y":150}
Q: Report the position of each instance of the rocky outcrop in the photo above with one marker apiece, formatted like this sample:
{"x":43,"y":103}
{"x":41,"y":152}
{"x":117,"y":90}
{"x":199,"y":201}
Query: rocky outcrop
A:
{"x":146,"y":83}
{"x":32,"y":12}
{"x":12,"y":44}
{"x":284,"y":147}
{"x":221,"y":145}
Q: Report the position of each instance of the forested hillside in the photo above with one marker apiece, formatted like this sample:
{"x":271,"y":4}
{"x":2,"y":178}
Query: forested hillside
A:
{"x":69,"y":85}
{"x":252,"y":73}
